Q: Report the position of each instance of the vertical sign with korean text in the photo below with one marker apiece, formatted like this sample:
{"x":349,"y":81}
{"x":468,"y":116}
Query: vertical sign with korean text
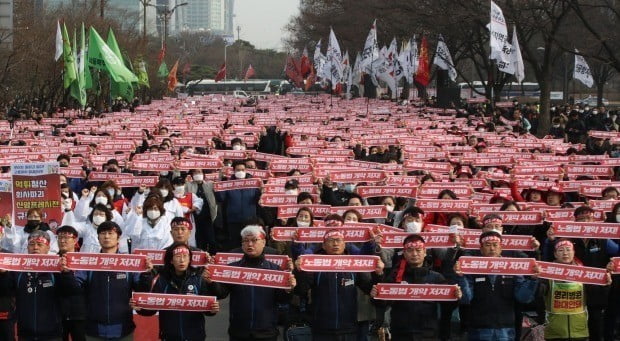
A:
{"x":36,"y":185}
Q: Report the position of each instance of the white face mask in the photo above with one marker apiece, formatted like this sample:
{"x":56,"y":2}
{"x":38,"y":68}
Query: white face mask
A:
{"x":617,"y":217}
{"x":198,"y":177}
{"x":179,"y":191}
{"x":389,"y":208}
{"x":481,"y":130}
{"x":101,"y":200}
{"x":164,"y":192}
{"x":163,"y":173}
{"x":413,"y":227}
{"x":153,"y":214}
{"x":556,"y":125}
{"x":111,"y":192}
{"x":303,"y":223}
{"x":97,"y":220}
{"x":349,"y":188}
{"x":291,"y":192}
{"x":240,"y":175}
{"x":237,"y":147}
{"x":594,"y":112}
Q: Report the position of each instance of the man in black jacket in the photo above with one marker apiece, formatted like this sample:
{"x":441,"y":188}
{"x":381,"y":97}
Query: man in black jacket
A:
{"x":253,"y":310}
{"x":334,"y":294}
{"x":73,"y":308}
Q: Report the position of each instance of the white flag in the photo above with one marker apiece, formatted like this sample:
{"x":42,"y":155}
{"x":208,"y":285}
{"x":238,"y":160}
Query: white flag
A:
{"x":356,"y":73}
{"x":498,"y":32}
{"x":404,"y":59}
{"x":333,"y":66}
{"x":346,"y":67}
{"x":371,"y":47}
{"x":582,"y":71}
{"x":443,"y":59}
{"x":58,"y":42}
{"x":319,"y":61}
{"x":517,"y":59}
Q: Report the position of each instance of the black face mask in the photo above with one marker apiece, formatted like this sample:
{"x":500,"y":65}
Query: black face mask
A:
{"x":32,"y":224}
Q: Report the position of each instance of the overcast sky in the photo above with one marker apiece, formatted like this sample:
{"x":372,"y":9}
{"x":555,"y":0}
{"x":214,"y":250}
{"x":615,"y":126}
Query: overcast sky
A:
{"x":262,"y":21}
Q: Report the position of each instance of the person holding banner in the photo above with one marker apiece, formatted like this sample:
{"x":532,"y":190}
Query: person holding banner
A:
{"x":84,"y":206}
{"x":334,"y":294}
{"x":38,"y":295}
{"x":109,"y":316}
{"x":567,"y":316}
{"x":179,"y":277}
{"x":163,"y":187}
{"x":16,"y":238}
{"x":253,"y":309}
{"x":205,"y":233}
{"x":410,"y":320}
{"x":87,"y":230}
{"x":492,"y":298}
{"x":190,"y":204}
{"x":73,"y":307}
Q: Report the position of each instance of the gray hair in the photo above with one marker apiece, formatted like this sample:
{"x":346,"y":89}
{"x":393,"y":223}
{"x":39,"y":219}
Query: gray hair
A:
{"x":253,"y":231}
{"x":39,"y":233}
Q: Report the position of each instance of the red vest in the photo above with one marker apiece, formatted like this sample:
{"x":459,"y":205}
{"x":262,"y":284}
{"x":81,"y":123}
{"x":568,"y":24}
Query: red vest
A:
{"x":186,"y":201}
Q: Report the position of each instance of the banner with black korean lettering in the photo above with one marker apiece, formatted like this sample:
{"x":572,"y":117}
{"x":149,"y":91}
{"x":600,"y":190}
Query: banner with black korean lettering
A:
{"x":249,"y":276}
{"x":416,"y":292}
{"x":338,"y":263}
{"x":152,"y":301}
{"x":225,"y":258}
{"x":106,"y":262}
{"x":36,"y":185}
{"x":497,"y":265}
{"x":29,"y":262}
{"x":572,"y":273}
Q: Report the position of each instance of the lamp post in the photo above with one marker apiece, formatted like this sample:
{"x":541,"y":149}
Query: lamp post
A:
{"x":166,"y":14}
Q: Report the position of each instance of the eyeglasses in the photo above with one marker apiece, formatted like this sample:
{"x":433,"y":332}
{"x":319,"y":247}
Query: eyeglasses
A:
{"x":250,"y":241}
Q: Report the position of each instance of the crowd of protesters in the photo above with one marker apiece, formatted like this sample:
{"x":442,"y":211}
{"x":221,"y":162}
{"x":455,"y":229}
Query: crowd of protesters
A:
{"x":183,"y":214}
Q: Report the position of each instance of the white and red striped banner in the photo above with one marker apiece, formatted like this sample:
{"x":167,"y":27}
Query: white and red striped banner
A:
{"x":572,"y":273}
{"x":574,"y":229}
{"x":338,"y":263}
{"x":497,"y":265}
{"x":237,"y":184}
{"x":106,"y":262}
{"x":29,"y":262}
{"x":153,"y":301}
{"x":250,"y":276}
{"x":225,"y":258}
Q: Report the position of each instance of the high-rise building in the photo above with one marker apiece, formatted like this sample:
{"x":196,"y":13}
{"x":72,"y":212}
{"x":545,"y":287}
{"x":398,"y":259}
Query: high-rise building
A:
{"x":6,"y":24}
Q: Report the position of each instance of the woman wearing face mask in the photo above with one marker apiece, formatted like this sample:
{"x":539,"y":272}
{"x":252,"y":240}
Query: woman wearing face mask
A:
{"x":149,"y":229}
{"x":164,"y":188}
{"x":16,"y":238}
{"x":394,"y":215}
{"x":119,"y":202}
{"x":89,"y":199}
{"x":304,"y":218}
{"x":190,"y":204}
{"x":87,"y":230}
{"x":413,"y":220}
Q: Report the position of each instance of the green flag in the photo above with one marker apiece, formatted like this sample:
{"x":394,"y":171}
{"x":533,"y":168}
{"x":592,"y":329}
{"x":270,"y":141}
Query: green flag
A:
{"x":70,"y":69}
{"x":143,"y":76}
{"x":100,"y":56}
{"x":163,"y":70}
{"x":119,"y":89}
{"x":77,"y":87}
{"x":88,"y":79}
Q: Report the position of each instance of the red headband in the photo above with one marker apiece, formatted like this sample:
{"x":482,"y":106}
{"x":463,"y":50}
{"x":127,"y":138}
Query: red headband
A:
{"x":183,"y":223}
{"x":40,"y":240}
{"x":333,"y":234}
{"x":564,"y":243}
{"x":418,"y":244}
{"x":490,"y":239}
{"x":180,"y":251}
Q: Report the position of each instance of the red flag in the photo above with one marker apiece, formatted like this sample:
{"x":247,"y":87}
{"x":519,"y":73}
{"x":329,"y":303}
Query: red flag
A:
{"x":292,"y":72}
{"x":162,"y":54}
{"x":311,"y":78}
{"x":187,"y":68}
{"x":249,"y":73}
{"x":423,"y":76}
{"x":221,"y":74}
{"x":172,"y":76}
{"x":304,"y":64}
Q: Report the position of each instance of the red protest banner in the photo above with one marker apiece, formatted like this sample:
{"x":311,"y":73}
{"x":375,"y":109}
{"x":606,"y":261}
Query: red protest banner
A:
{"x":402,"y":180}
{"x":355,"y":176}
{"x":225,"y":258}
{"x":552,"y":170}
{"x":29,"y":262}
{"x":275,"y":200}
{"x":442,"y":205}
{"x":516,"y":217}
{"x":237,"y":184}
{"x":152,"y":301}
{"x":432,"y":190}
{"x":441,"y":167}
{"x":590,"y":170}
{"x":152,"y":166}
{"x":283,"y":233}
{"x":290,"y":211}
{"x":106,"y":262}
{"x":199,"y":258}
{"x":572,"y":273}
{"x":188,"y":164}
{"x":137,"y":181}
{"x":394,"y":240}
{"x":509,"y":242}
{"x":416,"y":292}
{"x":382,"y":191}
{"x":250,"y":276}
{"x":368,"y":212}
{"x":315,"y":235}
{"x":36,"y":185}
{"x":616,"y":263}
{"x":497,"y":265}
{"x":593,"y":230}
{"x":338,"y":263}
